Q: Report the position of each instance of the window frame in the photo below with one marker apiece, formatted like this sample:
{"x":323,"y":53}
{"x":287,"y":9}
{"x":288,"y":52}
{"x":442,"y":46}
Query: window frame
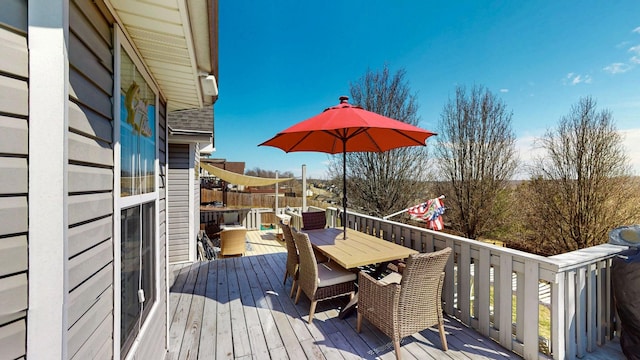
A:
{"x":122,"y":43}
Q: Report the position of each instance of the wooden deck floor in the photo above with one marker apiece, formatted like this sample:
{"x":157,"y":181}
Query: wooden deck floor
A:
{"x":238,"y":308}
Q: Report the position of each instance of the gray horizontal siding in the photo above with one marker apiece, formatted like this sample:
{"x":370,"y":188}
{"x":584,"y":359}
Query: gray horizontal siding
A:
{"x":90,"y":184}
{"x":14,"y":148}
{"x":14,"y":135}
{"x":15,"y":96}
{"x":13,"y":256}
{"x":178,"y":210}
{"x":13,"y":215}
{"x":13,"y":175}
{"x":88,"y":235}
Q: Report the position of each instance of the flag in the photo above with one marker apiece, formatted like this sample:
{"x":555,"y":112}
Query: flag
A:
{"x":430,"y":212}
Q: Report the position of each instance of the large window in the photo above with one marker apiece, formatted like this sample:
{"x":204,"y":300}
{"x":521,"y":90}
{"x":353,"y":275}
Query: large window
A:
{"x":138,"y":201}
{"x":137,"y":131}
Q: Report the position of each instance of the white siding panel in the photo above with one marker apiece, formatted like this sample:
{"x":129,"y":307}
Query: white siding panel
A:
{"x":12,"y":339}
{"x":85,"y":178}
{"x":13,"y":255}
{"x":86,"y":295}
{"x":88,"y":235}
{"x":88,"y":263}
{"x":86,"y":121}
{"x":14,"y":136}
{"x":13,"y":294}
{"x":13,"y":175}
{"x":13,"y":48}
{"x":89,"y":151}
{"x":13,"y":215}
{"x":15,"y":96}
{"x":84,"y":329}
{"x":89,"y":206}
{"x":99,"y":345}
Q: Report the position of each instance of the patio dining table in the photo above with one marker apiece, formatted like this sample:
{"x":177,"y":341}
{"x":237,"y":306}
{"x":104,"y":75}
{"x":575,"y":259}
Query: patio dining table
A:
{"x":358,"y":249}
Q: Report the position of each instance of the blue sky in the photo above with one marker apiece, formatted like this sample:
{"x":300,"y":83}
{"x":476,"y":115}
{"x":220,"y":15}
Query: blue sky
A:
{"x":281,"y":62}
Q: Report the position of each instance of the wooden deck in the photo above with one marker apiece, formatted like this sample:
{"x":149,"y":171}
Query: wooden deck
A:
{"x":238,"y":308}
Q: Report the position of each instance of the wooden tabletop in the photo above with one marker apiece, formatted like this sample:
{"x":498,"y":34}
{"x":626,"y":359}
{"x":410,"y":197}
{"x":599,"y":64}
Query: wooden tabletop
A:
{"x":358,"y":249}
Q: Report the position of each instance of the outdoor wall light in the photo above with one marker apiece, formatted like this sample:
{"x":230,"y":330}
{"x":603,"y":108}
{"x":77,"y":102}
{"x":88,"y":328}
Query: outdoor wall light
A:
{"x":209,"y":85}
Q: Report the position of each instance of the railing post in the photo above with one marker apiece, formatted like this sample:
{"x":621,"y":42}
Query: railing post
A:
{"x":558,"y":342}
{"x":531,"y":306}
{"x":505,"y":301}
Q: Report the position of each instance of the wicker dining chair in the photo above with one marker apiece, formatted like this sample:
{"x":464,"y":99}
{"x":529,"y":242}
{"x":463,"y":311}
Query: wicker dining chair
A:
{"x":412,"y":305}
{"x":320,"y":281}
{"x":312,"y":220}
{"x":291,"y":268}
{"x":233,"y":242}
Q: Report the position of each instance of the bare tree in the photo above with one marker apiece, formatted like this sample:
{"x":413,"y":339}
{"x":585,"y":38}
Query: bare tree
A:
{"x":476,"y":158}
{"x":381,"y":183}
{"x":580,"y":187}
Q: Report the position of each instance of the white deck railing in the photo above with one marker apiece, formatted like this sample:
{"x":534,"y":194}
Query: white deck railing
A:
{"x":582,"y":315}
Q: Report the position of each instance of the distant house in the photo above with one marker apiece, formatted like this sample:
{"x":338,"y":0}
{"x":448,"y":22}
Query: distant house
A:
{"x":86,"y":159}
{"x":190,"y":131}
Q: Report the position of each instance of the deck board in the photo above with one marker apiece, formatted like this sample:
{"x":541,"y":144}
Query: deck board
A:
{"x":238,"y":308}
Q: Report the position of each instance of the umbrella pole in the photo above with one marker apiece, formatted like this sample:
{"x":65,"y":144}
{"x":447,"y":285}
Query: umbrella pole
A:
{"x":344,"y":188}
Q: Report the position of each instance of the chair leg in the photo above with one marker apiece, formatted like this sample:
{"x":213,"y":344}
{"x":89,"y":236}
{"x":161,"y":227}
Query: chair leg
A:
{"x":396,"y":347}
{"x":293,"y":287}
{"x":443,"y":338}
{"x":312,"y":310}
{"x":298,"y":295}
{"x":286,"y":274}
{"x":358,"y":322}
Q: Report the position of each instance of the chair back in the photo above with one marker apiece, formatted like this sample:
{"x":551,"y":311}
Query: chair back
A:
{"x":312,"y":220}
{"x":307,"y":269}
{"x":233,"y":242}
{"x":421,"y":285}
{"x":292,"y":250}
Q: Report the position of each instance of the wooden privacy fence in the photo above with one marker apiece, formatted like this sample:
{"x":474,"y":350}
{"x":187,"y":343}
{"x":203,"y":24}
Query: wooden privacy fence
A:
{"x":257,"y":201}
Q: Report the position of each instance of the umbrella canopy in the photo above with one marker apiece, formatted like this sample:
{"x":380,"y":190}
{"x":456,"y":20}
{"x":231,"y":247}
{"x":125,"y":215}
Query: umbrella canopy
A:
{"x":348,"y":128}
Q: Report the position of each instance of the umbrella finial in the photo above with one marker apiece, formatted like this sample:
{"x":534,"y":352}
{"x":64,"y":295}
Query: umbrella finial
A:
{"x":344,"y":99}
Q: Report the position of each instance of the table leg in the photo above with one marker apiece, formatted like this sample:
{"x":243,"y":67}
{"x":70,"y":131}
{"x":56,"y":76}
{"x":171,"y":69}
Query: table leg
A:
{"x":349,"y":308}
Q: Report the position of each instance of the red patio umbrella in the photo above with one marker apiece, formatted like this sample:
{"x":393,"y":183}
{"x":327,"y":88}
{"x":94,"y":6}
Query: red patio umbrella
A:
{"x":348,"y":128}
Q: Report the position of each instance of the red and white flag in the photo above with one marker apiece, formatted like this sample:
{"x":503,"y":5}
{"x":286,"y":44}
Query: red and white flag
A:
{"x":430,"y":212}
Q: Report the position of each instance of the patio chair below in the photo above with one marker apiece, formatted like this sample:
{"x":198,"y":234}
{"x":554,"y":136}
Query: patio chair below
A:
{"x":412,"y":305}
{"x":320,"y":281}
{"x":233,"y":242}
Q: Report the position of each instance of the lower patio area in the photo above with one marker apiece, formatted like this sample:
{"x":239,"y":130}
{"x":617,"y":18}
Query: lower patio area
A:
{"x":238,"y":308}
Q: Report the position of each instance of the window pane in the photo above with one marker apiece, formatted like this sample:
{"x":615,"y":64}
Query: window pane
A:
{"x":148,"y":253}
{"x":129,"y":274}
{"x":137,"y":131}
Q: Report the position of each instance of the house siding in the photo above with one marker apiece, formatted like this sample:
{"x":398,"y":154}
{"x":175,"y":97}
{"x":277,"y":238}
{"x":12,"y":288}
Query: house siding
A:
{"x":178,"y":173}
{"x":179,"y":202}
{"x":196,"y":189}
{"x":90,"y":183}
{"x":14,"y":127}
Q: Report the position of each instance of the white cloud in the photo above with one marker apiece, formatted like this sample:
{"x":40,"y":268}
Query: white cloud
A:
{"x":617,"y":68}
{"x":635,"y":49}
{"x":580,"y":79}
{"x":504,"y":90}
{"x":635,"y":59}
{"x":636,"y":30}
{"x":575,"y":79}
